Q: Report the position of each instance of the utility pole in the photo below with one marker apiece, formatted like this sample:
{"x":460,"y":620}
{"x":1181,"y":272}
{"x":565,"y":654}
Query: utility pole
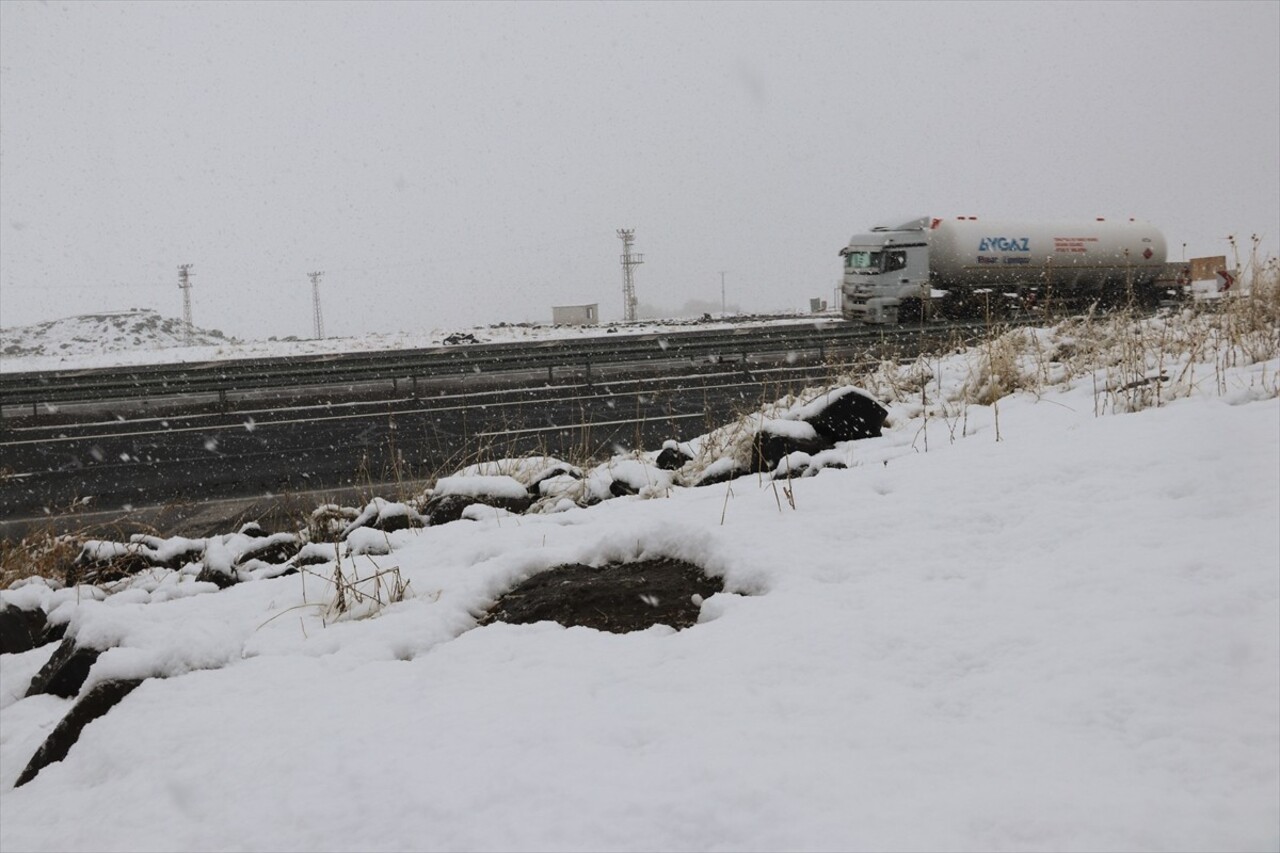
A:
{"x":315,"y":302}
{"x":184,"y":283}
{"x":629,"y":260}
{"x":723,"y":307}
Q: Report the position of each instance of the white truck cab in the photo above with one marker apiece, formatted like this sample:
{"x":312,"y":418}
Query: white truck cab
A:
{"x":886,"y":274}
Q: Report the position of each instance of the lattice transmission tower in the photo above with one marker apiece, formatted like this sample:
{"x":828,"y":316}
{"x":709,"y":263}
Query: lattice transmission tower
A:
{"x":315,"y":302}
{"x":184,"y":283}
{"x":629,"y":260}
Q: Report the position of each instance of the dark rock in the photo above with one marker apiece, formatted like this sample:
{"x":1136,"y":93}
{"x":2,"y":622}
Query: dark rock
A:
{"x":723,"y":476}
{"x":64,"y":673}
{"x":220,"y":579}
{"x":671,"y":459}
{"x":252,"y":529}
{"x":88,"y":568}
{"x":849,"y":415}
{"x":446,"y":508}
{"x":16,"y":634}
{"x":327,"y":523}
{"x":191,"y":553}
{"x":391,"y":522}
{"x":443,"y":509}
{"x":617,"y":598}
{"x":274,"y":549}
{"x":310,"y":558}
{"x":384,"y":516}
{"x":620,"y":489}
{"x":52,"y":633}
{"x":769,"y":449}
{"x":782,"y":472}
{"x":100,"y":699}
{"x":535,"y":487}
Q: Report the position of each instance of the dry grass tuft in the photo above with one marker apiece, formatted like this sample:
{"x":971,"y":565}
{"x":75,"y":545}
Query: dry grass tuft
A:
{"x":355,"y":596}
{"x":39,"y":554}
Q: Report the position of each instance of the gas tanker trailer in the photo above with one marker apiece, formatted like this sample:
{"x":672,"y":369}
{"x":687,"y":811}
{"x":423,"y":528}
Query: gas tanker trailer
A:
{"x":969,"y":267}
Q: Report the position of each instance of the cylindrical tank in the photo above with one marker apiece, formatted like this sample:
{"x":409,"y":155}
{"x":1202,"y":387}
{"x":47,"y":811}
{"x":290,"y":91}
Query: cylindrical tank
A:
{"x":1086,"y":254}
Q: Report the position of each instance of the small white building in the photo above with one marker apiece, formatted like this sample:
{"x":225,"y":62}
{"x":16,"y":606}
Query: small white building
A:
{"x":576,"y":315}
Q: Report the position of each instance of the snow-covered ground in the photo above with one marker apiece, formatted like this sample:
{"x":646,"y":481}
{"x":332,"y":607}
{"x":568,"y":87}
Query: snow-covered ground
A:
{"x":139,"y":337}
{"x":1040,"y":625}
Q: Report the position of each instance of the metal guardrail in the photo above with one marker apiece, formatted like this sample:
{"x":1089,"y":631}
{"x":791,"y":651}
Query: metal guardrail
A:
{"x":155,"y":381}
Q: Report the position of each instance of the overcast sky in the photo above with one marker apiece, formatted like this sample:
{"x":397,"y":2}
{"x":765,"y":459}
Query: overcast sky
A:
{"x":452,"y":165}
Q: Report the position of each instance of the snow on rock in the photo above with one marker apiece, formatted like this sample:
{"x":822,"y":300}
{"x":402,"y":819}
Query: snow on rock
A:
{"x":481,"y":486}
{"x":98,"y":701}
{"x":368,"y":540}
{"x":811,"y":422}
{"x":329,"y":522}
{"x":527,"y":470}
{"x":101,"y":560}
{"x":451,"y":496}
{"x":784,"y":428}
{"x":481,"y":512}
{"x":241,"y":556}
{"x":66,"y":671}
{"x":674,"y":455}
{"x":561,"y":486}
{"x":383,"y":515}
{"x":843,"y":414}
{"x":626,"y":476}
{"x":315,"y":553}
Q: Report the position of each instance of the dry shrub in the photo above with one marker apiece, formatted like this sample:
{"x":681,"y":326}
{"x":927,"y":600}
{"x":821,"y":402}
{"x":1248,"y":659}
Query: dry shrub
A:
{"x":1006,"y":364}
{"x":39,"y":554}
{"x":892,"y":382}
{"x":356,"y":597}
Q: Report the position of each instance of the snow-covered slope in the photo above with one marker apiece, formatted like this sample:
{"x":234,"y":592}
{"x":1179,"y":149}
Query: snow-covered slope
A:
{"x":93,"y":337}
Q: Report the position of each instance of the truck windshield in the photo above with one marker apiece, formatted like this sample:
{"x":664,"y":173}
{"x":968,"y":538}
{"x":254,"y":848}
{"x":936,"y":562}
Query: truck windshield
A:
{"x":857,"y":260}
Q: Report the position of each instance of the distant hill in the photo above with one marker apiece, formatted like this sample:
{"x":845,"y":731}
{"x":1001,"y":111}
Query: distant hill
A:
{"x":96,"y":334}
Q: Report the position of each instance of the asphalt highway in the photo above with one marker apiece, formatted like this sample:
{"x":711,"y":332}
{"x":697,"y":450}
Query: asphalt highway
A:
{"x":120,"y":443}
{"x":123,"y":463}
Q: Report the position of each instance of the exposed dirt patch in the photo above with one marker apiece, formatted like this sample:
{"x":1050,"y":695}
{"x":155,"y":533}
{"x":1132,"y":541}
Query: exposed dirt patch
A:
{"x":620,"y":597}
